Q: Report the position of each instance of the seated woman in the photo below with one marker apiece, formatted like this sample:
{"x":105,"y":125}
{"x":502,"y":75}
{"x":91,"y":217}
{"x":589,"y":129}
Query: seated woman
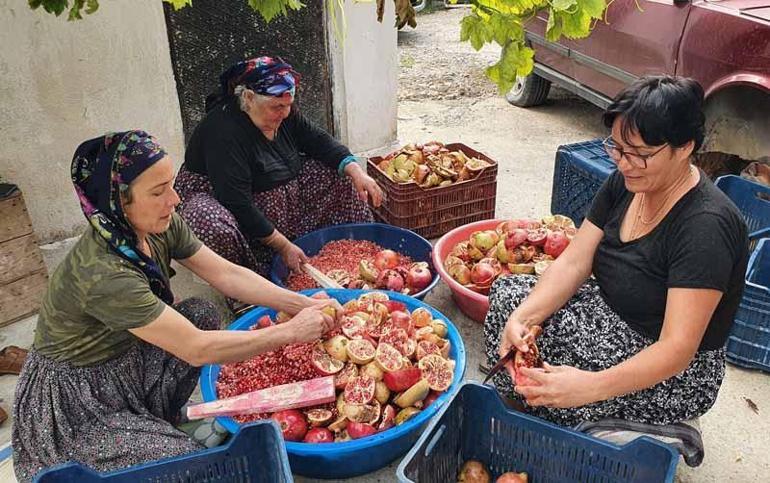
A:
{"x":114,"y":358}
{"x":247,"y":188}
{"x":642,"y":341}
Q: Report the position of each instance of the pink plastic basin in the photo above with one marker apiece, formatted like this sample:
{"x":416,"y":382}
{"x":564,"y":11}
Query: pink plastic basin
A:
{"x":473,"y":304}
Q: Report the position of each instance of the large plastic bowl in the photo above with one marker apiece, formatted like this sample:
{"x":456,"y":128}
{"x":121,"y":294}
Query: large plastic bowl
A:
{"x":473,"y":304}
{"x":353,"y":458}
{"x":403,"y":241}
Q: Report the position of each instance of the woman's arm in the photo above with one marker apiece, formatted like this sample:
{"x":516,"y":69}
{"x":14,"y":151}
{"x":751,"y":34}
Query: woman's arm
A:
{"x":175,"y":334}
{"x":242,"y":284}
{"x":688,"y":312}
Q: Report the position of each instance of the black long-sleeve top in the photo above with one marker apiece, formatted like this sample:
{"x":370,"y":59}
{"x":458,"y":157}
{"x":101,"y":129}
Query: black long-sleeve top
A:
{"x":239,"y":160}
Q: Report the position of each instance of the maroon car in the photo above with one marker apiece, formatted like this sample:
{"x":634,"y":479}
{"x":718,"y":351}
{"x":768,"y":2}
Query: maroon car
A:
{"x":725,"y":45}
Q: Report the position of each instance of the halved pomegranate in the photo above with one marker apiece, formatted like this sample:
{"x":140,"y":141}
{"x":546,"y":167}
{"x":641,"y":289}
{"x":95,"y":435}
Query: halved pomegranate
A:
{"x":388,"y":358}
{"x":438,"y":371}
{"x":360,"y":390}
{"x":361,"y":351}
{"x":318,"y":417}
{"x":324,"y":363}
{"x":342,"y":378}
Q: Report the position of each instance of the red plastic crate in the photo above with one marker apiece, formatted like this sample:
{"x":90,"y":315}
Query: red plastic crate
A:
{"x":434,"y":211}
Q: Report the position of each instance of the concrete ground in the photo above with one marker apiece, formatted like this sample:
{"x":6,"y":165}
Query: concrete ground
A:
{"x":523,"y":142}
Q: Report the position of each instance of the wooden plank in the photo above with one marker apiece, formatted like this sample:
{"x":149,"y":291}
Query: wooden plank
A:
{"x":14,"y":219}
{"x":22,"y":298}
{"x":19,"y":257}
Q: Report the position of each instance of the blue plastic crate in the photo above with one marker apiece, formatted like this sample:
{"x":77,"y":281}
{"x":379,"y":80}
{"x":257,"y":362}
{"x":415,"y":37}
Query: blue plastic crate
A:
{"x":579,"y":171}
{"x":749,"y":341}
{"x":256,"y":454}
{"x":477,"y":425}
{"x":753,"y":200}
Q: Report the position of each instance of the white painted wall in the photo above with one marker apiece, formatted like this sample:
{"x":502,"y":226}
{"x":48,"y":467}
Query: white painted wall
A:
{"x":64,"y":82}
{"x":365,"y":77}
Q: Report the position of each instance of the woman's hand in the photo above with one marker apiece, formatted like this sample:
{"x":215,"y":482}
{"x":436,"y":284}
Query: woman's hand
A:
{"x":559,"y":387}
{"x":513,"y":335}
{"x":292,"y":256}
{"x":364,"y":185}
{"x":310,"y":324}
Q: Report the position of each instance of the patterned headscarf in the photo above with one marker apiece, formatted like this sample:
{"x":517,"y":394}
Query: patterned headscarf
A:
{"x":102,"y":169}
{"x":264,"y":75}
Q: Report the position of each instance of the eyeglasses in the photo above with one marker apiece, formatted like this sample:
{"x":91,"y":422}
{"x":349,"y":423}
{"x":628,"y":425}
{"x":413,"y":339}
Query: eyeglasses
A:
{"x":636,"y":160}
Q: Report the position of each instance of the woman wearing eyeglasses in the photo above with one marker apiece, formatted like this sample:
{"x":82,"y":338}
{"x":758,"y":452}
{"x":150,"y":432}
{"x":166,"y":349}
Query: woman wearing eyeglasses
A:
{"x":643,"y":339}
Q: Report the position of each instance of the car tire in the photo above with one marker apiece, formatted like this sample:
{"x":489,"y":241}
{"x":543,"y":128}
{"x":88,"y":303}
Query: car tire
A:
{"x":529,"y":91}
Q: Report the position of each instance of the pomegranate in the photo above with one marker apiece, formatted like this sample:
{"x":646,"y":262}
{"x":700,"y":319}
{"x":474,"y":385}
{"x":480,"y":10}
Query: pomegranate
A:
{"x":439,"y":328}
{"x":419,"y":278}
{"x":388,"y":357}
{"x":460,"y":273}
{"x":421,"y":317}
{"x":426,"y":347}
{"x":401,"y":320}
{"x":386,"y":259}
{"x":337,"y":347}
{"x":537,"y":237}
{"x":402,"y":379}
{"x":368,"y":271}
{"x":484,"y":240}
{"x":388,"y":418}
{"x":515,"y":238}
{"x":360,"y":430}
{"x":437,"y":371}
{"x":483,"y":273}
{"x":318,"y":417}
{"x":474,"y":471}
{"x":415,"y":394}
{"x":360,"y":390}
{"x":360,"y":351}
{"x":391,"y":280}
{"x":406,"y":414}
{"x":394,"y":306}
{"x":319,"y":435}
{"x":555,"y":243}
{"x":293,"y":424}
{"x":381,"y":392}
{"x":512,"y":477}
{"x":362,"y":413}
{"x":354,"y":326}
{"x":324,"y":363}
{"x":431,"y":397}
{"x":531,"y":358}
{"x":342,"y":378}
{"x":397,"y":338}
{"x":372,"y":370}
{"x":264,"y":321}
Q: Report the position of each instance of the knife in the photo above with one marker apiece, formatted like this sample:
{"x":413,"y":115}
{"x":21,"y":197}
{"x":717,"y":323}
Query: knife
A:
{"x":500,"y":364}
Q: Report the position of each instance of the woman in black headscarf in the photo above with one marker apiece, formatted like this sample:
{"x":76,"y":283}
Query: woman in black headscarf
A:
{"x":114,"y":358}
{"x":258,"y":174}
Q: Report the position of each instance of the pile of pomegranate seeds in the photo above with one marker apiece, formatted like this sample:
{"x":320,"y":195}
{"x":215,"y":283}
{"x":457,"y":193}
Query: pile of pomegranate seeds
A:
{"x":335,"y":255}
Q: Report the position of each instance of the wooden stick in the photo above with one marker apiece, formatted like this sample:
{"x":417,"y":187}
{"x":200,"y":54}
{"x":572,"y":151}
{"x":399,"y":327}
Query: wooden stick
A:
{"x":320,"y":277}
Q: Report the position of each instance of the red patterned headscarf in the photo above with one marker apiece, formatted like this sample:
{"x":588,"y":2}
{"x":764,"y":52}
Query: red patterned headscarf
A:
{"x":264,"y":75}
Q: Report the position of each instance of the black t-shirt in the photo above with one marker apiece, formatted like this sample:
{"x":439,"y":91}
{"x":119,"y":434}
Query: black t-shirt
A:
{"x":701,"y":243}
{"x":239,"y":160}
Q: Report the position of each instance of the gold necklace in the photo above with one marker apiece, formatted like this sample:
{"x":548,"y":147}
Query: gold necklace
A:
{"x":640,"y":215}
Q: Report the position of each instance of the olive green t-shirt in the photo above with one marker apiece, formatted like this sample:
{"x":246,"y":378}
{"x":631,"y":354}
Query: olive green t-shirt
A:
{"x":95,"y":296}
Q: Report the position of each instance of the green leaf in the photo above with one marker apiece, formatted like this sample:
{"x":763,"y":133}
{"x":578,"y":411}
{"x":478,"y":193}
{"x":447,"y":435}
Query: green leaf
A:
{"x":552,"y":28}
{"x":564,"y":5}
{"x":504,"y":28}
{"x":473,"y":29}
{"x":179,"y":4}
{"x":575,"y":25}
{"x":594,"y":8}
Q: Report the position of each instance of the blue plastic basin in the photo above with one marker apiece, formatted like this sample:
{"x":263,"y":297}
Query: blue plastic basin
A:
{"x":352,"y":458}
{"x":403,"y":241}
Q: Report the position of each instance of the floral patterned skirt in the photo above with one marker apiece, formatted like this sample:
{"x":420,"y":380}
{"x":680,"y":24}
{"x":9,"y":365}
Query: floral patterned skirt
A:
{"x":587,"y":334}
{"x":316,"y":198}
{"x":108,"y":416}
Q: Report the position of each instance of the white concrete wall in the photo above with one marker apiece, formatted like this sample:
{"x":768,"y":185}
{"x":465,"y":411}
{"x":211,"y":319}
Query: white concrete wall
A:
{"x":64,"y":82}
{"x":365,"y":77}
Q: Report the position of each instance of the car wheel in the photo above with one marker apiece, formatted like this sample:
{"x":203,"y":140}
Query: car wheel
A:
{"x":529,"y":91}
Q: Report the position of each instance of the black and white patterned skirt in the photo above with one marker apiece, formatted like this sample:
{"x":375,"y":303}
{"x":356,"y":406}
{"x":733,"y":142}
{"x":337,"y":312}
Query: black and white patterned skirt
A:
{"x":587,"y":334}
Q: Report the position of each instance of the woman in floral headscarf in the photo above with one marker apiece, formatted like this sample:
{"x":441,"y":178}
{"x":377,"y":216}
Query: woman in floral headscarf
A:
{"x":258,"y":174}
{"x":114,"y":358}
